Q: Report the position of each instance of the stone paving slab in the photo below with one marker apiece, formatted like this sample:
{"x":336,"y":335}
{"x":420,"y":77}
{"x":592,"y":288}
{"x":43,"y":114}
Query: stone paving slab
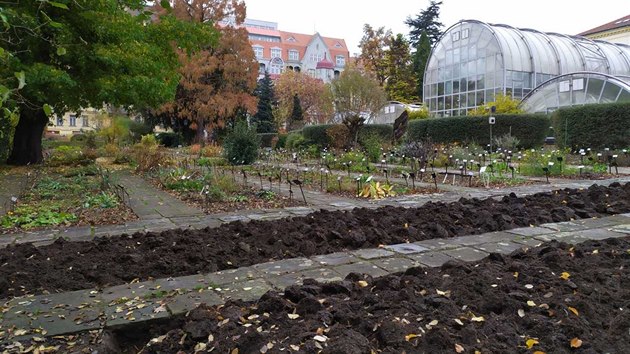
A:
{"x":439,"y":243}
{"x":580,"y":236}
{"x":624,"y":228}
{"x":499,"y":236}
{"x":395,"y":264}
{"x":531,"y":231}
{"x":285,"y":266}
{"x":372,"y":253}
{"x":335,"y":258}
{"x":362,"y":267}
{"x":406,"y":248}
{"x":499,"y":247}
{"x":466,"y":254}
{"x":431,"y":259}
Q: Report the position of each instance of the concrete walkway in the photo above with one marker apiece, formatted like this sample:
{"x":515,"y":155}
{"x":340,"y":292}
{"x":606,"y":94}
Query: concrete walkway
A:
{"x":93,"y":309}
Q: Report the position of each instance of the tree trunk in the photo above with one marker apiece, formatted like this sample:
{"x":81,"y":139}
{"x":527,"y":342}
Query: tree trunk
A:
{"x":27,"y":141}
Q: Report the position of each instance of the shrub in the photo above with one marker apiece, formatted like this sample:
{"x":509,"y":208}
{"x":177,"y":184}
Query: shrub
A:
{"x":372,"y":145}
{"x":241,"y":145}
{"x":530,"y":129}
{"x":282,"y":141}
{"x":194,"y":149}
{"x":338,"y":135}
{"x":266,"y":139}
{"x":593,"y":126}
{"x":170,"y":139}
{"x":295,"y":141}
{"x":212,"y":150}
{"x":67,"y":155}
{"x":422,"y":113}
{"x":138,"y":129}
{"x":316,"y":134}
{"x":384,"y":132}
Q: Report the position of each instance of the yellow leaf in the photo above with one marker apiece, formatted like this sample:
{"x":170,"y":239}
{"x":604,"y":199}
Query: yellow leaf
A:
{"x":410,"y":336}
{"x":362,"y":283}
{"x":565,"y":275}
{"x":515,"y":274}
{"x":478,"y":319}
{"x":530,"y":303}
{"x":576,"y":342}
{"x":459,"y":348}
{"x":574,"y":310}
{"x":530,"y":343}
{"x":234,"y":351}
{"x":293,"y":316}
{"x":539,"y":352}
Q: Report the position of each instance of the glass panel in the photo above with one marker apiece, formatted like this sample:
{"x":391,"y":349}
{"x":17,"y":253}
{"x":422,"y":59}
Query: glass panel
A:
{"x":489,"y":95}
{"x":447,"y":102}
{"x":593,"y":90}
{"x":440,"y":90}
{"x":480,"y":99}
{"x":440,"y":103}
{"x":611,"y":91}
{"x":456,"y":55}
{"x":471,"y":99}
{"x":479,"y":82}
{"x":456,"y":74}
{"x":471,"y":85}
{"x":472,"y":68}
{"x":456,"y":86}
{"x":456,"y":101}
{"x":462,"y":84}
{"x":448,"y":88}
{"x":624,"y":97}
{"x":463,"y":70}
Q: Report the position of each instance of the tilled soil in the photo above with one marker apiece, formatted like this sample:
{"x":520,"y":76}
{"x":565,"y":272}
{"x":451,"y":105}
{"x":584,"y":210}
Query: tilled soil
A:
{"x":555,"y":298}
{"x":107,"y":261}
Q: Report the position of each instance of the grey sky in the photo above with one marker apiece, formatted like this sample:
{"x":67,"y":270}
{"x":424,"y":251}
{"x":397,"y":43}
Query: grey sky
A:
{"x":345,"y":18}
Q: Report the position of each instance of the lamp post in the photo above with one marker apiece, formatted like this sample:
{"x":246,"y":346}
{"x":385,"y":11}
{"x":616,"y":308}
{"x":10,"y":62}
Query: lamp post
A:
{"x":491,"y":121}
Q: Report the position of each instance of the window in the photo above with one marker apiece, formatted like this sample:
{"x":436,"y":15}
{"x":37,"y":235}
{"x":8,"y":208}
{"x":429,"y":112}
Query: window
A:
{"x":258,"y":51}
{"x":311,"y":72}
{"x":455,"y":36}
{"x":315,"y":57}
{"x":73,"y":120}
{"x":465,"y":33}
{"x":291,"y":39}
{"x":276,"y":52}
{"x":60,"y":121}
{"x":85,"y":122}
{"x":294,"y":55}
{"x":338,"y":45}
{"x":340,"y":60}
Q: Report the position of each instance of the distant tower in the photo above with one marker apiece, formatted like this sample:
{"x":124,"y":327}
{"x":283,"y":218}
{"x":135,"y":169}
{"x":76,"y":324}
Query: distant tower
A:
{"x":325,"y":69}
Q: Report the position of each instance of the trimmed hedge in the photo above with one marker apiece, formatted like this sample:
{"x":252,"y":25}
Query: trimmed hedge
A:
{"x":316,"y":134}
{"x":593,"y":126}
{"x":530,"y":129}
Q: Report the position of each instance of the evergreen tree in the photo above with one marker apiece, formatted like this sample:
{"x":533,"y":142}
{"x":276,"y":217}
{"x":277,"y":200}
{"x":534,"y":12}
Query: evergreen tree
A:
{"x":263,"y":119}
{"x":401,"y":83}
{"x":426,"y":21}
{"x":420,"y":58}
{"x":296,"y":114}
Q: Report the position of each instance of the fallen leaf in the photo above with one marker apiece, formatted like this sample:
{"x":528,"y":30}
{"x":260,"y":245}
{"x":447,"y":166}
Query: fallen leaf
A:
{"x":515,"y":274}
{"x":477,"y":319}
{"x":529,"y":286}
{"x":576,"y":342}
{"x":459,"y":322}
{"x":295,"y":347}
{"x":234,"y":351}
{"x":410,"y":336}
{"x":565,"y":275}
{"x":200,"y":347}
{"x":433,"y":323}
{"x":530,"y":343}
{"x":459,"y":348}
{"x":446,"y":293}
{"x":19,"y":332}
{"x":530,"y":303}
{"x":539,"y":352}
{"x":595,"y":252}
{"x":362,"y":283}
{"x":320,"y":338}
{"x":293,"y":315}
{"x":521,"y":313}
{"x":574,"y":310}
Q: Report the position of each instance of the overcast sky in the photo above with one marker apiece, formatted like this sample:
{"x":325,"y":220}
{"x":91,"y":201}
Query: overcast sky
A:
{"x":345,"y":18}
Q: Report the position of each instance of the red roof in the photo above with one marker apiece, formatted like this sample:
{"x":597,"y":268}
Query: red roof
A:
{"x":325,"y":64}
{"x":618,"y":23}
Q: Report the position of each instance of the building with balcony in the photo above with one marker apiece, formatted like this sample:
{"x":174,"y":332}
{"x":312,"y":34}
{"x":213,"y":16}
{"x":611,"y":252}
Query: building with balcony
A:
{"x":276,"y":51}
{"x":473,"y":61}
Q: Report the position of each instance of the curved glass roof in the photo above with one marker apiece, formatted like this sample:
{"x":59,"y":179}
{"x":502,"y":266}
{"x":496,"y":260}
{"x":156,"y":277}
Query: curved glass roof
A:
{"x":577,"y":89}
{"x":474,"y":60}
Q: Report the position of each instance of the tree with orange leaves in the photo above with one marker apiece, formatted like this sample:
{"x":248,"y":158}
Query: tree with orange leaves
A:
{"x":218,"y":82}
{"x":314,"y":96}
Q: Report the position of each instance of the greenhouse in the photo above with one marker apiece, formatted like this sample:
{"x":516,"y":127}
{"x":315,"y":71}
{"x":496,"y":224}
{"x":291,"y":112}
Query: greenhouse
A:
{"x":473,"y":61}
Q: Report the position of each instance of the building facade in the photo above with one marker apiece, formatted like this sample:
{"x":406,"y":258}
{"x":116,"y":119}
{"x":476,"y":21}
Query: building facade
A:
{"x":277,"y":51}
{"x":72,"y":123}
{"x":617,"y":31}
{"x":473,"y":61}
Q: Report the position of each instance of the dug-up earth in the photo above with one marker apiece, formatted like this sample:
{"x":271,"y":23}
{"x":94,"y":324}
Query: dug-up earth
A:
{"x":107,"y":261}
{"x":555,"y":298}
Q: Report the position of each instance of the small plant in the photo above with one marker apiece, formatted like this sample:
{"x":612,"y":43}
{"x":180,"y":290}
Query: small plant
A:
{"x":102,"y":200}
{"x":29,"y":217}
{"x":239,"y":198}
{"x":376,"y":190}
{"x":266,"y":194}
{"x":507,"y":142}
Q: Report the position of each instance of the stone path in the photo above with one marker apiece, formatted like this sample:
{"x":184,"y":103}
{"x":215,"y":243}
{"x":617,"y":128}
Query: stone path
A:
{"x":12,"y":185}
{"x":72,"y":312}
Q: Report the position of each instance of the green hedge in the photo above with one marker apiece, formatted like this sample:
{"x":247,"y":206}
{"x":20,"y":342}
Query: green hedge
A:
{"x":530,"y":129}
{"x":596,"y":126}
{"x":316,"y":134}
{"x":266,"y":139}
